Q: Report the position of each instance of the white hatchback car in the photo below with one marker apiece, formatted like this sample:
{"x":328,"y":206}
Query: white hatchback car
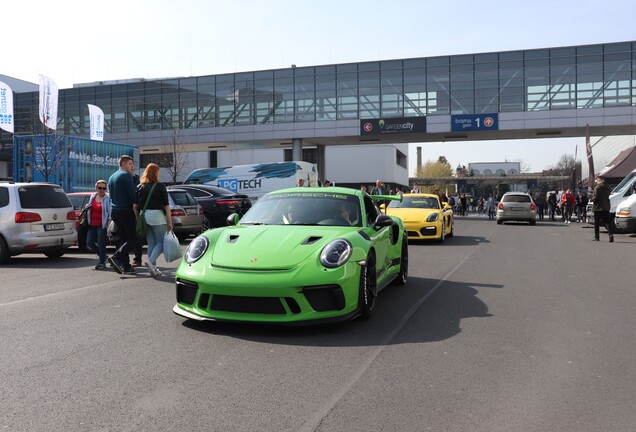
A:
{"x":516,"y":206}
{"x":35,"y":217}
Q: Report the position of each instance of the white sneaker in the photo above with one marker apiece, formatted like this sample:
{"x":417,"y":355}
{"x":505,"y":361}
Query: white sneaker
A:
{"x":152,"y":269}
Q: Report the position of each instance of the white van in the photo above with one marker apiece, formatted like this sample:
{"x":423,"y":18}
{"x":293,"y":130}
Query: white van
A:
{"x":626,"y":215}
{"x":256,"y":180}
{"x":624,"y":189}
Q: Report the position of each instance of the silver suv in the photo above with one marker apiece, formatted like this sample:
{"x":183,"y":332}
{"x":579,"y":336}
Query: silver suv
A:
{"x":516,"y":206}
{"x":35,"y":217}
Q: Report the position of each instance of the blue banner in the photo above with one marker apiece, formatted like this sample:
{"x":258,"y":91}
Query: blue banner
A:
{"x":474,"y":122}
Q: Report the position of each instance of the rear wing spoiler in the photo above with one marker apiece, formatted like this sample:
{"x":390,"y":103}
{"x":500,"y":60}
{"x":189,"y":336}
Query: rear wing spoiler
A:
{"x":386,"y":198}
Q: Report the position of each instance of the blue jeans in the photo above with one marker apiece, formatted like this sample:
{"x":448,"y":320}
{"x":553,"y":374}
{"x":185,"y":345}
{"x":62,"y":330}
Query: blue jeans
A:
{"x":96,"y":241}
{"x":155,"y":236}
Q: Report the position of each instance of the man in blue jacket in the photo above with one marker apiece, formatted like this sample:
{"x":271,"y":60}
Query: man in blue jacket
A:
{"x":122,"y":197}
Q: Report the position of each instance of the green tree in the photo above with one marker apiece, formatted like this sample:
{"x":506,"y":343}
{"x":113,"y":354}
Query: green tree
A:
{"x":432,"y":169}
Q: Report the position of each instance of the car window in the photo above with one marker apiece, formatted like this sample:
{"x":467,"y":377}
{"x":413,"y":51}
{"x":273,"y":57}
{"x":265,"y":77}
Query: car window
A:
{"x":4,"y":197}
{"x":198,"y":193}
{"x":42,"y":196}
{"x":77,"y":201}
{"x":516,"y":198}
{"x":416,"y":202}
{"x":371,"y":210}
{"x":182,"y":199}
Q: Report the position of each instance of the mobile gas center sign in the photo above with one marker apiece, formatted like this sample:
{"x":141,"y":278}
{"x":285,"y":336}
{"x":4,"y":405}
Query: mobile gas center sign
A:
{"x":387,"y":126}
{"x":474,"y":122}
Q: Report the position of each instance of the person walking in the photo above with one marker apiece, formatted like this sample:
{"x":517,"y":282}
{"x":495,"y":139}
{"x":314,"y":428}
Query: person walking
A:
{"x":552,"y":204}
{"x":490,"y":207}
{"x":601,"y":208}
{"x":157,"y":214}
{"x":98,"y":219}
{"x":139,"y":244}
{"x":122,"y":198}
{"x":581,"y":207}
{"x":540,"y":202}
{"x":567,"y":205}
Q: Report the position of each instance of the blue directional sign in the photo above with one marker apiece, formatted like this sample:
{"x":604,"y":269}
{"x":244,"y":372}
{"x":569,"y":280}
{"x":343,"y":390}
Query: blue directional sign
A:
{"x":474,"y":122}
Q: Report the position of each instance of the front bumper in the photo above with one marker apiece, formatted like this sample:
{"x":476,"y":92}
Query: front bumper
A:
{"x":285,"y":296}
{"x":626,"y":224}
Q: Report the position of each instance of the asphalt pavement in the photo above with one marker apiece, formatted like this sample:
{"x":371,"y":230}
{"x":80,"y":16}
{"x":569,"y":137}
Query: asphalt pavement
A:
{"x":501,"y":328}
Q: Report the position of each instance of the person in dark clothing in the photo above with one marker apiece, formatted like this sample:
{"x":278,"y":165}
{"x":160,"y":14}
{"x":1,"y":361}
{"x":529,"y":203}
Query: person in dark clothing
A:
{"x":581,"y":207}
{"x":601,"y":208}
{"x":139,"y":244}
{"x":122,"y":197}
{"x":552,"y":203}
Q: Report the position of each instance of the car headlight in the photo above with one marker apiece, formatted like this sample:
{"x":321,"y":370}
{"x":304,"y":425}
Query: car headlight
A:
{"x":336,"y":253}
{"x":432,"y":217}
{"x":197,"y":249}
{"x":625,"y":211}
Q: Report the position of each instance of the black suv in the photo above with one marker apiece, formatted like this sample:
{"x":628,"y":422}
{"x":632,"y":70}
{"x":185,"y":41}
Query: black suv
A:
{"x":217,"y":203}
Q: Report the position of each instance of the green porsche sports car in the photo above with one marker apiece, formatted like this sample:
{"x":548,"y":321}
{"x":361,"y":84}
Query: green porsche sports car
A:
{"x":301,"y":255}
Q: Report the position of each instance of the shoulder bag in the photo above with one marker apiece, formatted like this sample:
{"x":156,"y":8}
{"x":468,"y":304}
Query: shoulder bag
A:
{"x":142,"y":225}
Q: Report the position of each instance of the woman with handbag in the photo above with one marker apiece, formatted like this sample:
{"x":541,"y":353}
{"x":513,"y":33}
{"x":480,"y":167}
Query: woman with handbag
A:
{"x":98,"y":217}
{"x":152,"y":205}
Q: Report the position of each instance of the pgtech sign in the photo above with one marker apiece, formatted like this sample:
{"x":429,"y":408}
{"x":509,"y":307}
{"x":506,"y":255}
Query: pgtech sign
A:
{"x":401,"y":125}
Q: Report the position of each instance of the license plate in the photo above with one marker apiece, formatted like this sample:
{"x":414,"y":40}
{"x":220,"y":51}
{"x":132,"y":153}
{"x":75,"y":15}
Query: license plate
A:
{"x":516,"y":208}
{"x":191,"y":211}
{"x":53,"y":227}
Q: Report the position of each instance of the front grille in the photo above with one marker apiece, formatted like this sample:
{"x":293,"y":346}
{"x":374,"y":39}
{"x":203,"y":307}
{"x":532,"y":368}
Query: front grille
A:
{"x":257,"y":305}
{"x":325,"y":298}
{"x":186,"y":291}
{"x":429,"y":231}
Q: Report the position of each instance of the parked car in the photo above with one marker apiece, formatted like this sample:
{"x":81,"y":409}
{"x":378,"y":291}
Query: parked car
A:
{"x":217,"y":203}
{"x":516,"y":206}
{"x":35,"y":217}
{"x":187,"y":214}
{"x":626,"y":215}
{"x":79,"y":201}
{"x":300,"y":255}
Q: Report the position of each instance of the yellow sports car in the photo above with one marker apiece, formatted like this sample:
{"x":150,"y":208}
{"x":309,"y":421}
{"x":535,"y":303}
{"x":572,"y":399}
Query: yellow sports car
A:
{"x":424,"y":216}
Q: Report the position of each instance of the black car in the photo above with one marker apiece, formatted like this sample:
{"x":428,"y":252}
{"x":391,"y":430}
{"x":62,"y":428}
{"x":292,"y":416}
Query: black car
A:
{"x":217,"y":203}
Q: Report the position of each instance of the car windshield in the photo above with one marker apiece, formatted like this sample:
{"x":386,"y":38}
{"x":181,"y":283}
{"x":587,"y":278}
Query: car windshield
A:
{"x":304,"y":208}
{"x":416,"y":202}
{"x":626,"y":183}
{"x":516,"y":198}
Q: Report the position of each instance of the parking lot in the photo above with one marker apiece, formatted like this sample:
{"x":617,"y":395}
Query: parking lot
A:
{"x":502,"y":327}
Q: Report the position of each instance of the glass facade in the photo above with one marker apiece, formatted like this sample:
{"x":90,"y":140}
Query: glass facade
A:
{"x":582,"y":77}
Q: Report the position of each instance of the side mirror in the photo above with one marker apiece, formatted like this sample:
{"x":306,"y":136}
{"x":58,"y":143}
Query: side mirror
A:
{"x":382,"y":221}
{"x":232,"y":219}
{"x":382,"y":207}
{"x":447,"y":206}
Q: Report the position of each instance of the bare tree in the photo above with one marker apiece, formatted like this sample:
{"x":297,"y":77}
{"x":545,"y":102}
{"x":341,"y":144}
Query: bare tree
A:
{"x":173,"y":155}
{"x":49,"y":154}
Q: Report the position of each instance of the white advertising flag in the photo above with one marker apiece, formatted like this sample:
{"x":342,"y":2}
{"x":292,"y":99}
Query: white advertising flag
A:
{"x":48,"y":102}
{"x":97,"y":122}
{"x":6,"y":107}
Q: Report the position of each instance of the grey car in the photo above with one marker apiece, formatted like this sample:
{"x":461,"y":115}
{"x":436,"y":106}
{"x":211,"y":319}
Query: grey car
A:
{"x":516,"y":206}
{"x":35,"y":217}
{"x":187,"y":214}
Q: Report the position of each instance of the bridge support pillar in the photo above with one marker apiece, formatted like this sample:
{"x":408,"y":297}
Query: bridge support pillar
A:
{"x":297,"y":149}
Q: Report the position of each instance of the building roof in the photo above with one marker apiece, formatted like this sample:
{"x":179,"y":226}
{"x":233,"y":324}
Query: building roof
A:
{"x":621,"y":165}
{"x":18,"y":85}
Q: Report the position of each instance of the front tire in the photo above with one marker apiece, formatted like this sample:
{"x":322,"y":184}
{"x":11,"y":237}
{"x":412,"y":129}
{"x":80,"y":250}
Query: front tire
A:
{"x":452,"y":228}
{"x":368,"y":287}
{"x":442,"y":237}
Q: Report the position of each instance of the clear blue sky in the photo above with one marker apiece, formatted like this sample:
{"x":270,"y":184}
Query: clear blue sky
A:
{"x":75,"y":41}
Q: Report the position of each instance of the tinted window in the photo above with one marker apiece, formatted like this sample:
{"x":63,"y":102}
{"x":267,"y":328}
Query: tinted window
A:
{"x":4,"y":197}
{"x":43,"y":196}
{"x":182,"y":199}
{"x":516,"y":198}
